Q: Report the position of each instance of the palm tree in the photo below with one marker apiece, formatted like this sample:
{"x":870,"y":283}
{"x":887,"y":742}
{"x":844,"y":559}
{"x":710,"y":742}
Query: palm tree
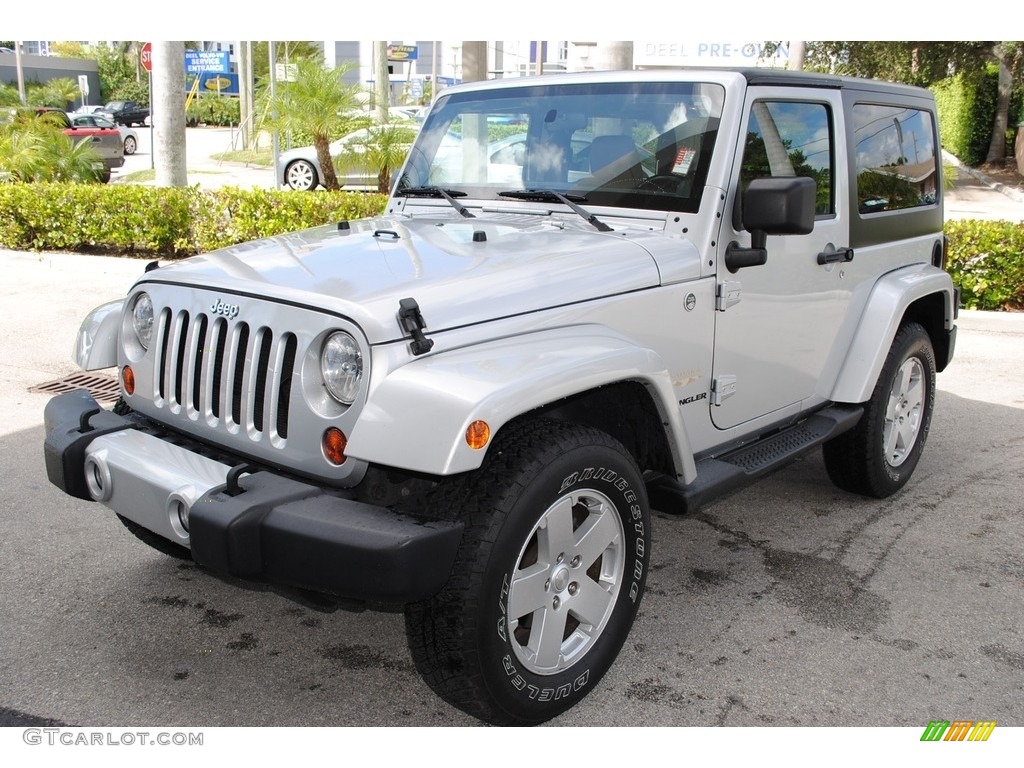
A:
{"x":62,"y":91}
{"x":34,"y":149}
{"x":318,"y":103}
{"x":384,"y":151}
{"x":9,"y":96}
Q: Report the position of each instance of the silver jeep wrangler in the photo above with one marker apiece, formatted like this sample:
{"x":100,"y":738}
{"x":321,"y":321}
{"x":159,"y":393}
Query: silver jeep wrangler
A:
{"x":589,"y":296}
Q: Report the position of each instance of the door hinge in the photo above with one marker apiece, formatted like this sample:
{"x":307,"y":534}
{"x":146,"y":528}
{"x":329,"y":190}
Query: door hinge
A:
{"x":722,"y":388}
{"x":728,"y":294}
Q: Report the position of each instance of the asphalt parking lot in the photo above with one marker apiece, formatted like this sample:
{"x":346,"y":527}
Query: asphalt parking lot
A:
{"x":789,"y":604}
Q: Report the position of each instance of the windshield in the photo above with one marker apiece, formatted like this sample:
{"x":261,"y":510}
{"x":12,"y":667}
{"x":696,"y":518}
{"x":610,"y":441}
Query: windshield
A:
{"x":635,"y":145}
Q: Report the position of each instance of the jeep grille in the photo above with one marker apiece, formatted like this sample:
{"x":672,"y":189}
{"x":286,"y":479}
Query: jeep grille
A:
{"x":240,"y":375}
{"x":247,"y":383}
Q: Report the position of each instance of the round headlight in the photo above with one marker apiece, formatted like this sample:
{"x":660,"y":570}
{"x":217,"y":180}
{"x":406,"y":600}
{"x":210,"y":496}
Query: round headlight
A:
{"x":142,"y":319}
{"x":341,"y":364}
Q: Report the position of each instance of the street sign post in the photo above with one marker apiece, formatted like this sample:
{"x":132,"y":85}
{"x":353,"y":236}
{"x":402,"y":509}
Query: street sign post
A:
{"x":146,"y":60}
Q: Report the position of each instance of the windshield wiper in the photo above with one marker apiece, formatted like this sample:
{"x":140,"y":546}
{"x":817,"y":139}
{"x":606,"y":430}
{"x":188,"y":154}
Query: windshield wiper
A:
{"x":447,"y":194}
{"x":550,"y":194}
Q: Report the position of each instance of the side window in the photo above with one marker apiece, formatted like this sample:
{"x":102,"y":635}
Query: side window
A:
{"x":791,"y":138}
{"x":895,"y":156}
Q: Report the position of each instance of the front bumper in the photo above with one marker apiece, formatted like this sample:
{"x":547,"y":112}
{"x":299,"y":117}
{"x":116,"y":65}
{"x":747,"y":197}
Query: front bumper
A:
{"x":263,"y":527}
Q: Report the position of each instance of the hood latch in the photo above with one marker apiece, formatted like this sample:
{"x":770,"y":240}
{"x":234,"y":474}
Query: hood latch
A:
{"x":411,"y":320}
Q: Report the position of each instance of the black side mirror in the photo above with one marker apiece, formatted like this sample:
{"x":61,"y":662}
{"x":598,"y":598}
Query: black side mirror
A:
{"x":775,"y":206}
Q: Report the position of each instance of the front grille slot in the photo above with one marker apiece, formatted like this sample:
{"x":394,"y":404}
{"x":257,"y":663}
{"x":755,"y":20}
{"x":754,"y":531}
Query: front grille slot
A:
{"x":237,"y":366}
{"x":201,"y":357}
{"x":285,"y":391}
{"x":263,"y":341}
{"x":179,"y":345}
{"x":220,"y":333}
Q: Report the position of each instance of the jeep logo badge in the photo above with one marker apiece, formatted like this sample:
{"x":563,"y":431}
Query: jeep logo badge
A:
{"x":690,"y":302}
{"x":230,"y":311}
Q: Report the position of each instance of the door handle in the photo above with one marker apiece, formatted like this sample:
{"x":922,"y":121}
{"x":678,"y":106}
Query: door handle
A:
{"x":831,"y":255}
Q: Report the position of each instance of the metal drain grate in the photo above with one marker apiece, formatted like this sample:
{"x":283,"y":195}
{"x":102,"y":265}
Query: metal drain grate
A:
{"x":100,"y":387}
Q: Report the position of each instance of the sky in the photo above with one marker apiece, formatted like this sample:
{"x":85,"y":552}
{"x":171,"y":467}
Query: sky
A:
{"x":522,"y":19}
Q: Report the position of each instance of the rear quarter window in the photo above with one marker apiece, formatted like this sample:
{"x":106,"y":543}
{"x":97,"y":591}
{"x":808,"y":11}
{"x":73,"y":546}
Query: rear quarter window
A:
{"x":896,"y":162}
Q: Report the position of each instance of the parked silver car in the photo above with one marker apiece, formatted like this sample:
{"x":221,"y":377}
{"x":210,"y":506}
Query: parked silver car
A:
{"x":301,"y":170}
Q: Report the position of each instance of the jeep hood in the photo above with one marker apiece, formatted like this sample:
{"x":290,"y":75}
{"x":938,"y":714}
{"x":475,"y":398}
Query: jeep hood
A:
{"x":459,"y":271}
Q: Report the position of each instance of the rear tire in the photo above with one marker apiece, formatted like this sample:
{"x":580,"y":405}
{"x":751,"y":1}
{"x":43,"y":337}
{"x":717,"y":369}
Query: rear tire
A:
{"x":547,"y":580}
{"x":301,"y":176}
{"x":878,"y":456}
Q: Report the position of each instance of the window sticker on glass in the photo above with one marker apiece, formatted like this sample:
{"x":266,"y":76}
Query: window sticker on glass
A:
{"x":683,"y":160}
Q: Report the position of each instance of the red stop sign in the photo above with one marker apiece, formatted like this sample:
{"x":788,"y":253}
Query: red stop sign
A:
{"x":146,"y":57}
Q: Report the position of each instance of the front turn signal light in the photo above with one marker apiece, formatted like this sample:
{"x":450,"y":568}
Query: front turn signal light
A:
{"x":477,"y":435}
{"x":334,"y":444}
{"x":128,"y":379}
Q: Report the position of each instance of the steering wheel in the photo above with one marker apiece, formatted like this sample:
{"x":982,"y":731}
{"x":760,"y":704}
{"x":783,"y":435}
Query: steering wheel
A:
{"x":662,"y":182}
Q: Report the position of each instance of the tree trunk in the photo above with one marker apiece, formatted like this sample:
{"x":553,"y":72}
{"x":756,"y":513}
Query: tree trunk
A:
{"x":382,"y":80}
{"x":997,"y":147}
{"x":797,"y":54}
{"x":168,"y":113}
{"x":323,"y":155}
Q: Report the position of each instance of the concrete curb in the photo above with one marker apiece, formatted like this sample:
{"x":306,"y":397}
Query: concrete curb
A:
{"x":1014,"y":194}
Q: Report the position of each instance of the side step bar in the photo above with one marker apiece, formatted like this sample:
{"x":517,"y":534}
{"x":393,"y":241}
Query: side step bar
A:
{"x":729,"y":472}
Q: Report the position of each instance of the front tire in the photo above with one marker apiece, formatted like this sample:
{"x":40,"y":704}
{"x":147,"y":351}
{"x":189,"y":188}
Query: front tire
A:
{"x":878,"y":456}
{"x":130,"y":145}
{"x":548,"y":578}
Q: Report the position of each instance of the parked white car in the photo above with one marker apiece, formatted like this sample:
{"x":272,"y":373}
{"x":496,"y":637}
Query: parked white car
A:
{"x":300,"y":168}
{"x":97,"y":119}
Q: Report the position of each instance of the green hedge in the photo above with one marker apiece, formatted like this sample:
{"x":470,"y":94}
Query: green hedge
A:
{"x":967,"y":107}
{"x":986,"y":260}
{"x":167,"y":222}
{"x":213,"y":110}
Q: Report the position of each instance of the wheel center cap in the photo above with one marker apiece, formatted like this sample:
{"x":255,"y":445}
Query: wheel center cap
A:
{"x":560,"y":579}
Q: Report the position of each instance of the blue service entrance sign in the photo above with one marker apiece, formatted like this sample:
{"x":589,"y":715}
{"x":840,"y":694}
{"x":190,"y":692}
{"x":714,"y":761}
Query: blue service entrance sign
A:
{"x":197,"y":62}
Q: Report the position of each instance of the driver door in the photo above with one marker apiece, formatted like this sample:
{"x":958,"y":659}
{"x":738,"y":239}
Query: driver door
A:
{"x":776,"y":337}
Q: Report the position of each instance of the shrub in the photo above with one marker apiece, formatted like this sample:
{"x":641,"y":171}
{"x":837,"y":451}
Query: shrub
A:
{"x":131,"y":90}
{"x":986,"y":258}
{"x":211,"y":109}
{"x":967,"y":107}
{"x":986,"y":261}
{"x":171,"y":222}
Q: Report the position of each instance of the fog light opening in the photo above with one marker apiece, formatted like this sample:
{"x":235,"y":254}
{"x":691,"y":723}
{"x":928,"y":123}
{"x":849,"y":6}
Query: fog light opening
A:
{"x":128,"y":379}
{"x":181,"y":508}
{"x":97,"y":479}
{"x":178,"y":507}
{"x":334,"y":444}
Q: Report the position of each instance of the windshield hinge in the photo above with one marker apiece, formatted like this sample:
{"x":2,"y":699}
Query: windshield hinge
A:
{"x":728,"y":294}
{"x":411,"y":321}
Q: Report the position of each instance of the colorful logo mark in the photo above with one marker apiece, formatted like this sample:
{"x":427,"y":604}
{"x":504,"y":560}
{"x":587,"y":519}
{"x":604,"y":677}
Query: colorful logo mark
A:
{"x":958,"y":730}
